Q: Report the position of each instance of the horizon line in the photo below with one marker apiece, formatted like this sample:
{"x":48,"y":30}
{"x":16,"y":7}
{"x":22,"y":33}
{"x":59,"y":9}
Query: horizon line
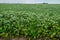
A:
{"x":31,"y":3}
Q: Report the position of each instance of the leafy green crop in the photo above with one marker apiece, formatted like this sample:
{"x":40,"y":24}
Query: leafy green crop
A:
{"x":33,"y":21}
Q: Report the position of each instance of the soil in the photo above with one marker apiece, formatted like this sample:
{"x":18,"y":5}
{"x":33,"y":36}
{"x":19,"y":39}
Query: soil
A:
{"x":15,"y":38}
{"x":21,"y":38}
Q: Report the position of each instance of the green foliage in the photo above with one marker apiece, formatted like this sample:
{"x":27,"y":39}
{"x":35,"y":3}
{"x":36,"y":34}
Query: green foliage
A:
{"x":33,"y":21}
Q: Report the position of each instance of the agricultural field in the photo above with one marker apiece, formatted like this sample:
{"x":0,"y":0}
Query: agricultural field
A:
{"x":33,"y":21}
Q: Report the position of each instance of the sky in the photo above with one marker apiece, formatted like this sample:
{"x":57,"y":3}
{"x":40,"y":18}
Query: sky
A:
{"x":31,"y":1}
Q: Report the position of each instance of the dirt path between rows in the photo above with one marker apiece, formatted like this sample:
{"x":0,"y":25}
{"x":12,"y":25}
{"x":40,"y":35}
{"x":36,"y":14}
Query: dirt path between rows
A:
{"x":16,"y":38}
